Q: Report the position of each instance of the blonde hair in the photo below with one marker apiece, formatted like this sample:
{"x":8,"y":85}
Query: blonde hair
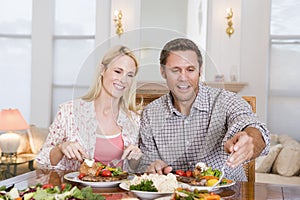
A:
{"x":129,"y":97}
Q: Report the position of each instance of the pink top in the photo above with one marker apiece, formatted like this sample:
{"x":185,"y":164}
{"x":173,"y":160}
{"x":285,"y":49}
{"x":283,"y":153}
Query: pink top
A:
{"x":109,"y":148}
{"x":76,"y":122}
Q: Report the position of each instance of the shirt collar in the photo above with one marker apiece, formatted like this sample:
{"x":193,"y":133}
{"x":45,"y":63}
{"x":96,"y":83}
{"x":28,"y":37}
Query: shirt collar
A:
{"x":201,"y":102}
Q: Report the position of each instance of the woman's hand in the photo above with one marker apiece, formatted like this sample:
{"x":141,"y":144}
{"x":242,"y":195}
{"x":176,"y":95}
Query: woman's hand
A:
{"x":132,"y":152}
{"x":73,"y":150}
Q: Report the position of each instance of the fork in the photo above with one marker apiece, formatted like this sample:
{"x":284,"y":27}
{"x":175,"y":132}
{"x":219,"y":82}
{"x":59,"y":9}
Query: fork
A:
{"x":114,"y":162}
{"x":223,"y":173}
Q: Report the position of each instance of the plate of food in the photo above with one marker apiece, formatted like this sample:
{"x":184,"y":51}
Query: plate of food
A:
{"x":186,"y":194}
{"x":96,"y":174}
{"x":151,"y":186}
{"x":203,"y":178}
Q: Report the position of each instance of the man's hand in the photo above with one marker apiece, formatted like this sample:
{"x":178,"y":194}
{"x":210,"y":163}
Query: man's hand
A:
{"x":159,"y":167}
{"x":246,"y":145}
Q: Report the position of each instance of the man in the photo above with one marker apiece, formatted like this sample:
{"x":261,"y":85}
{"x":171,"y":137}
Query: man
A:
{"x":195,"y":123}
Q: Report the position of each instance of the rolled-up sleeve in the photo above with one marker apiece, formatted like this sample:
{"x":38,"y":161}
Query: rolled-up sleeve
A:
{"x":57,"y":135}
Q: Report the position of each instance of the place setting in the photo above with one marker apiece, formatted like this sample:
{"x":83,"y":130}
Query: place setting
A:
{"x":202,"y":181}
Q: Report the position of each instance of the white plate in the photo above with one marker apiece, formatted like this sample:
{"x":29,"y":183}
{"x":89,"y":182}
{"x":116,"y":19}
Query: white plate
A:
{"x":142,"y":194}
{"x":192,"y":187}
{"x":73,"y":177}
{"x":164,"y":198}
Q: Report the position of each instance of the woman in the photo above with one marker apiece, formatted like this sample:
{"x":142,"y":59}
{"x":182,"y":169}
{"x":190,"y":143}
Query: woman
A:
{"x":103,"y":124}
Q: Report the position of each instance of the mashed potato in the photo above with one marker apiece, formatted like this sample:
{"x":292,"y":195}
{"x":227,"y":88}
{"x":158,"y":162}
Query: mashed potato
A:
{"x":163,"y":183}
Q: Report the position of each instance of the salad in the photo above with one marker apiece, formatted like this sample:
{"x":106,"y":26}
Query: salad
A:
{"x":202,"y":175}
{"x":49,"y":192}
{"x":185,"y":194}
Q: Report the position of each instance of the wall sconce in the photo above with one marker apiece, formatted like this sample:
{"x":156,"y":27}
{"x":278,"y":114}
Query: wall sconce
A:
{"x":230,"y":29}
{"x":118,"y":22}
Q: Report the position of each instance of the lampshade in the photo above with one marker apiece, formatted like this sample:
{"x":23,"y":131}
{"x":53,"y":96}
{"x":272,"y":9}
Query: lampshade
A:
{"x":11,"y":120}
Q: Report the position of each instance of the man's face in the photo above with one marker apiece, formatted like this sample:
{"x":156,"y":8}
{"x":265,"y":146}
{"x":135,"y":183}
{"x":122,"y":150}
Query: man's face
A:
{"x":182,"y":72}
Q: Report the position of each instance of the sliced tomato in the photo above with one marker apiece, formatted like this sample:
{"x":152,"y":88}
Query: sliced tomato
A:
{"x":81,"y":175}
{"x":98,"y":172}
{"x":105,"y":173}
{"x":47,"y":185}
{"x":188,"y":173}
{"x":180,"y":172}
{"x":62,"y":186}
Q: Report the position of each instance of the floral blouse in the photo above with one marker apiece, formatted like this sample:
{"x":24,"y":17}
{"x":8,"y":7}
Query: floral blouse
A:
{"x":76,"y":122}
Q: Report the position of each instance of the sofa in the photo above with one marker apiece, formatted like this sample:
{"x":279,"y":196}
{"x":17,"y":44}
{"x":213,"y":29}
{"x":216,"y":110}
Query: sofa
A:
{"x":32,"y":140}
{"x":282,"y":164}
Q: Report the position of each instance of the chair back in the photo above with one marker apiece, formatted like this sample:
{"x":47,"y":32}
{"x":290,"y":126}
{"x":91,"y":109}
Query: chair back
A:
{"x":250,"y":166}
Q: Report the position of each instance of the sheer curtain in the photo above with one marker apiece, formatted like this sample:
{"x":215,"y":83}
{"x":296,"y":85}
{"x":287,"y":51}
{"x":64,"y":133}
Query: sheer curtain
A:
{"x":74,"y":39}
{"x":284,"y":81}
{"x":15,"y":55}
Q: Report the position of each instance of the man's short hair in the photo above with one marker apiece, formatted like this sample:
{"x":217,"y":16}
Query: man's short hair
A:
{"x":180,"y":44}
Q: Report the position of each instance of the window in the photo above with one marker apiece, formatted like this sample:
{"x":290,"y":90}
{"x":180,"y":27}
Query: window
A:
{"x":15,"y":55}
{"x":74,"y":39}
{"x":284,"y":82}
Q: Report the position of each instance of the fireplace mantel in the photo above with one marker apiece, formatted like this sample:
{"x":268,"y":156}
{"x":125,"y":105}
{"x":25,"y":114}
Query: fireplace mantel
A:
{"x":161,"y":87}
{"x":151,"y":90}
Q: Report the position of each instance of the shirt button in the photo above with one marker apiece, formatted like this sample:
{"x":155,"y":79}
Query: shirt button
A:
{"x":187,"y":143}
{"x":186,"y":121}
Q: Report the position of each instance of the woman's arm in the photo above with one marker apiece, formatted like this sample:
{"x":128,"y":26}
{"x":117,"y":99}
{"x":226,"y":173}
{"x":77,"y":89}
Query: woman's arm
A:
{"x":133,"y":154}
{"x":56,"y":155}
{"x":133,"y":164}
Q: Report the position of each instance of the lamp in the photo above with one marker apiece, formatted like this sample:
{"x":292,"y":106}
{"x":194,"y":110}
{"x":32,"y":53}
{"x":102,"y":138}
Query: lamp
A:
{"x":11,"y":120}
{"x":118,"y":22}
{"x":230,"y":29}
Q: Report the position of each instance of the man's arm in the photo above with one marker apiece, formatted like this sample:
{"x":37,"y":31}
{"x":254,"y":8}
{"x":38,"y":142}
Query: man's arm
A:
{"x":147,"y":143}
{"x":258,"y":141}
{"x":246,"y":145}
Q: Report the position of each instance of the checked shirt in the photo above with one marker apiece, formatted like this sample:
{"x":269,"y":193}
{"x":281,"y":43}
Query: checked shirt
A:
{"x":182,"y":141}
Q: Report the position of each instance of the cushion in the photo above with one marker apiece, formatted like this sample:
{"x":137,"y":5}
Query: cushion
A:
{"x":264,"y":164}
{"x":24,"y":146}
{"x":287,"y":162}
{"x":274,"y":139}
{"x":286,"y":140}
{"x":37,"y":137}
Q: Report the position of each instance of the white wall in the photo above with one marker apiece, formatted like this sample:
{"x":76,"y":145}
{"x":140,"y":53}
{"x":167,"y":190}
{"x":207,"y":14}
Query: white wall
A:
{"x":41,"y":68}
{"x":223,"y":50}
{"x":255,"y":51}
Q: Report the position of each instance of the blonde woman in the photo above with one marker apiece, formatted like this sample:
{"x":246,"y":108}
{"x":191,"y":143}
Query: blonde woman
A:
{"x":103,"y":124}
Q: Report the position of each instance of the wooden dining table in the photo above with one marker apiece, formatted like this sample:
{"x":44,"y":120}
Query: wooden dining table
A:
{"x":240,"y":190}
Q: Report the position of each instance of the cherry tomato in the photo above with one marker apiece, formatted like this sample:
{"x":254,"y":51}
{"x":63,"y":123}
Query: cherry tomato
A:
{"x":47,"y":185}
{"x":105,"y":173}
{"x":188,"y":173}
{"x":81,"y":175}
{"x":180,"y":173}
